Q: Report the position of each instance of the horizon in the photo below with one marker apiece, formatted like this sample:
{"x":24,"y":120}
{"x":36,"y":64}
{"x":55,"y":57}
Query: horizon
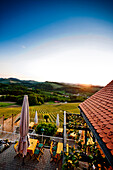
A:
{"x":52,"y":81}
{"x":66,"y":41}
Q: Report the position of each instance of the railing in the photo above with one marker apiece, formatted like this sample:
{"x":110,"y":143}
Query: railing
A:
{"x":14,"y":136}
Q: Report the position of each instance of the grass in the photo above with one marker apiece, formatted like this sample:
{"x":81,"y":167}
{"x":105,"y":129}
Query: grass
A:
{"x":5,"y":104}
{"x":51,"y":109}
{"x":7,"y":112}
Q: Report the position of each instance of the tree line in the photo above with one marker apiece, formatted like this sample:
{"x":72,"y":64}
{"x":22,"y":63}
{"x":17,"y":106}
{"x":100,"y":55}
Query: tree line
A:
{"x":39,"y":93}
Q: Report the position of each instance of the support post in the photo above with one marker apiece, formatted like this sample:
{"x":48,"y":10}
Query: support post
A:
{"x":85,"y":139}
{"x":64,"y":135}
{"x":42,"y":137}
{"x":12,"y":122}
{"x":3,"y":123}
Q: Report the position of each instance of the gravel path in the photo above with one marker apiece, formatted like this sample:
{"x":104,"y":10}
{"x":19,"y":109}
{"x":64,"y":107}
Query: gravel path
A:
{"x":7,"y":161}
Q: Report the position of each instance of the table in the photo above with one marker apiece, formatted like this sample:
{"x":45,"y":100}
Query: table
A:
{"x":59,"y":147}
{"x":59,"y":150}
{"x":60,"y":130}
{"x":73,"y":134}
{"x":31,"y":124}
{"x":31,"y":148}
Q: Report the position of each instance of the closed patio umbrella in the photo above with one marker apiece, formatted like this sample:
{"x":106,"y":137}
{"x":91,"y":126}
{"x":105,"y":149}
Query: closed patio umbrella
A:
{"x":57,"y":120}
{"x":24,"y":128}
{"x":36,"y":118}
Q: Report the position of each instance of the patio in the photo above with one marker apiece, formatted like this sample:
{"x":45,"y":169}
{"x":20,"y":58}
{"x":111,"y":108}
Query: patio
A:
{"x":7,"y":161}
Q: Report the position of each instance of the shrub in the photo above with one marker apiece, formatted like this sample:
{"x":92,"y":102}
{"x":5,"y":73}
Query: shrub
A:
{"x":46,"y":117}
{"x":49,"y":129}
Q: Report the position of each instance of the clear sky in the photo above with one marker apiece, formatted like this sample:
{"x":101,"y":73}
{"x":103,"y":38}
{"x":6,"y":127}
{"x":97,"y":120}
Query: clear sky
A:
{"x":57,"y":40}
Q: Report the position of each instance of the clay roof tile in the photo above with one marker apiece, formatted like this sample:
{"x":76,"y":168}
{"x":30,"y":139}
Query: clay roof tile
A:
{"x":110,"y":145}
{"x":99,"y":110}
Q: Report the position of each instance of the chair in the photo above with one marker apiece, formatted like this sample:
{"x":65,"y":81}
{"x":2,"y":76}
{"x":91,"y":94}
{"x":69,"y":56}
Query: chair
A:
{"x":53,"y":155}
{"x":41,"y":147}
{"x":54,"y":148}
{"x":44,"y":142}
{"x":51,"y":143}
{"x":16,"y":150}
{"x":16,"y":147}
{"x":37,"y":154}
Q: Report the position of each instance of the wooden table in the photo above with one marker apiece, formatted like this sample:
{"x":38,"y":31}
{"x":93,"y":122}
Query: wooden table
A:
{"x":31,"y":125}
{"x":59,"y":150}
{"x":59,"y":147}
{"x":60,"y":130}
{"x":31,"y":148}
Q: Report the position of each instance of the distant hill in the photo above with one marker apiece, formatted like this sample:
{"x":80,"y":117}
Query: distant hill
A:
{"x":14,"y":89}
{"x":67,"y":87}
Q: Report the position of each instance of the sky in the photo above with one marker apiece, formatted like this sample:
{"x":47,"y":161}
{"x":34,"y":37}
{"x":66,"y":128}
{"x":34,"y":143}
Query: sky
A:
{"x":67,"y":41}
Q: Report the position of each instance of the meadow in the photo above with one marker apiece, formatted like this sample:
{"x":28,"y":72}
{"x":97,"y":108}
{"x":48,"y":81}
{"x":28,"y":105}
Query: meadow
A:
{"x":50,"y":109}
{"x":5,"y":104}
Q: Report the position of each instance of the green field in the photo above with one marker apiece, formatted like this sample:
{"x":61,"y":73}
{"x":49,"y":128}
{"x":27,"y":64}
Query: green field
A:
{"x":51,"y":109}
{"x":5,"y":104}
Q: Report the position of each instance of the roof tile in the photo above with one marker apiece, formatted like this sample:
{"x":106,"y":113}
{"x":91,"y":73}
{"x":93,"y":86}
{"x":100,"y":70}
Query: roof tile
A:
{"x":99,"y":110}
{"x":106,"y":140}
{"x":110,"y":145}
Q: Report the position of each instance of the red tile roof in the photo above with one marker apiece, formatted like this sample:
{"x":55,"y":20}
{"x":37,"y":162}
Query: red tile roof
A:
{"x":99,"y":110}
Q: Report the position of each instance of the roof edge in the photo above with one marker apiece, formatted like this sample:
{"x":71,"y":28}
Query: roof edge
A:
{"x":106,"y":151}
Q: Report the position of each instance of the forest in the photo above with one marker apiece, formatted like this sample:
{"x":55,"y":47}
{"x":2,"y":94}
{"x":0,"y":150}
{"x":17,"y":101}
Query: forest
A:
{"x":13,"y":89}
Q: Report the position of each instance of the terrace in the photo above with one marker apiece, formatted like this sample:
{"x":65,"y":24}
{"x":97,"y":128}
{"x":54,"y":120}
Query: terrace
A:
{"x":7,"y":161}
{"x":90,"y":146}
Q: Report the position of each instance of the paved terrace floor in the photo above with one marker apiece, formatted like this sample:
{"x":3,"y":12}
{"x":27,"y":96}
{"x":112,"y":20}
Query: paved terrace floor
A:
{"x":7,"y":161}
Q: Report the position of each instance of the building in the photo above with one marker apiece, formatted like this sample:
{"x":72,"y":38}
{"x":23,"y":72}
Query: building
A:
{"x":97,"y":111}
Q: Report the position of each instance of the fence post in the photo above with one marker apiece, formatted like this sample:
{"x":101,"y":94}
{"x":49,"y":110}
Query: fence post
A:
{"x":12,"y":122}
{"x":3,"y":123}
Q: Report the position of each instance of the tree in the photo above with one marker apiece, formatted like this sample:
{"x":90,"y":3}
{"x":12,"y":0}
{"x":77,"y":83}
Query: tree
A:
{"x":32,"y":100}
{"x":49,"y":129}
{"x":46,"y":117}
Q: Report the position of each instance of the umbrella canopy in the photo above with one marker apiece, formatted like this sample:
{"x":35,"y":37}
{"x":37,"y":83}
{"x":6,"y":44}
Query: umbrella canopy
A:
{"x":24,"y":127}
{"x":57,"y":120}
{"x":36,"y":118}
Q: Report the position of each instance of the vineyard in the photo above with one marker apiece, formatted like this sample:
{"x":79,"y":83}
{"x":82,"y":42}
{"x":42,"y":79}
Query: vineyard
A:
{"x":46,"y":109}
{"x":8,"y":111}
{"x":52,"y":110}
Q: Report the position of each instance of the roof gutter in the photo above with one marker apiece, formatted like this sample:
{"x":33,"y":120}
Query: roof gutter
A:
{"x":106,"y":151}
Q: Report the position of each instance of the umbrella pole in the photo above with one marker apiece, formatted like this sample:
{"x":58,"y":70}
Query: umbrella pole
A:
{"x":23,"y":163}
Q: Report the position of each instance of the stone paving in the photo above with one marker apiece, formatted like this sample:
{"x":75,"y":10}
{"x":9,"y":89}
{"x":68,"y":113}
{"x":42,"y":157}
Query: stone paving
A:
{"x":7,"y":161}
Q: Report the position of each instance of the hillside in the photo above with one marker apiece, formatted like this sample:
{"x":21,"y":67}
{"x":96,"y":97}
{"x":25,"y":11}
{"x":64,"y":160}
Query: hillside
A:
{"x":13,"y":89}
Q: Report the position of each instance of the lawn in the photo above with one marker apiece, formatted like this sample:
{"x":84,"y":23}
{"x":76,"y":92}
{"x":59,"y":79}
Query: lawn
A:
{"x":5,"y":104}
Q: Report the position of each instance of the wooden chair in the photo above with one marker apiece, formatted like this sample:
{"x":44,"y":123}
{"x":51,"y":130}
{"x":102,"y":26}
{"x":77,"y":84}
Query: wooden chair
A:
{"x":37,"y":154}
{"x":44,"y":142}
{"x":16,"y":150}
{"x":53,"y":155}
{"x":41,"y":147}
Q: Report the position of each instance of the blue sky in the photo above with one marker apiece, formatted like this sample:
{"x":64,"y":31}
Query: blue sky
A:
{"x":65,"y":41}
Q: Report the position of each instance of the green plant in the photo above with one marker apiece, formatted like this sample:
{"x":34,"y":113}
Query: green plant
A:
{"x":49,"y":129}
{"x":46,"y":117}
